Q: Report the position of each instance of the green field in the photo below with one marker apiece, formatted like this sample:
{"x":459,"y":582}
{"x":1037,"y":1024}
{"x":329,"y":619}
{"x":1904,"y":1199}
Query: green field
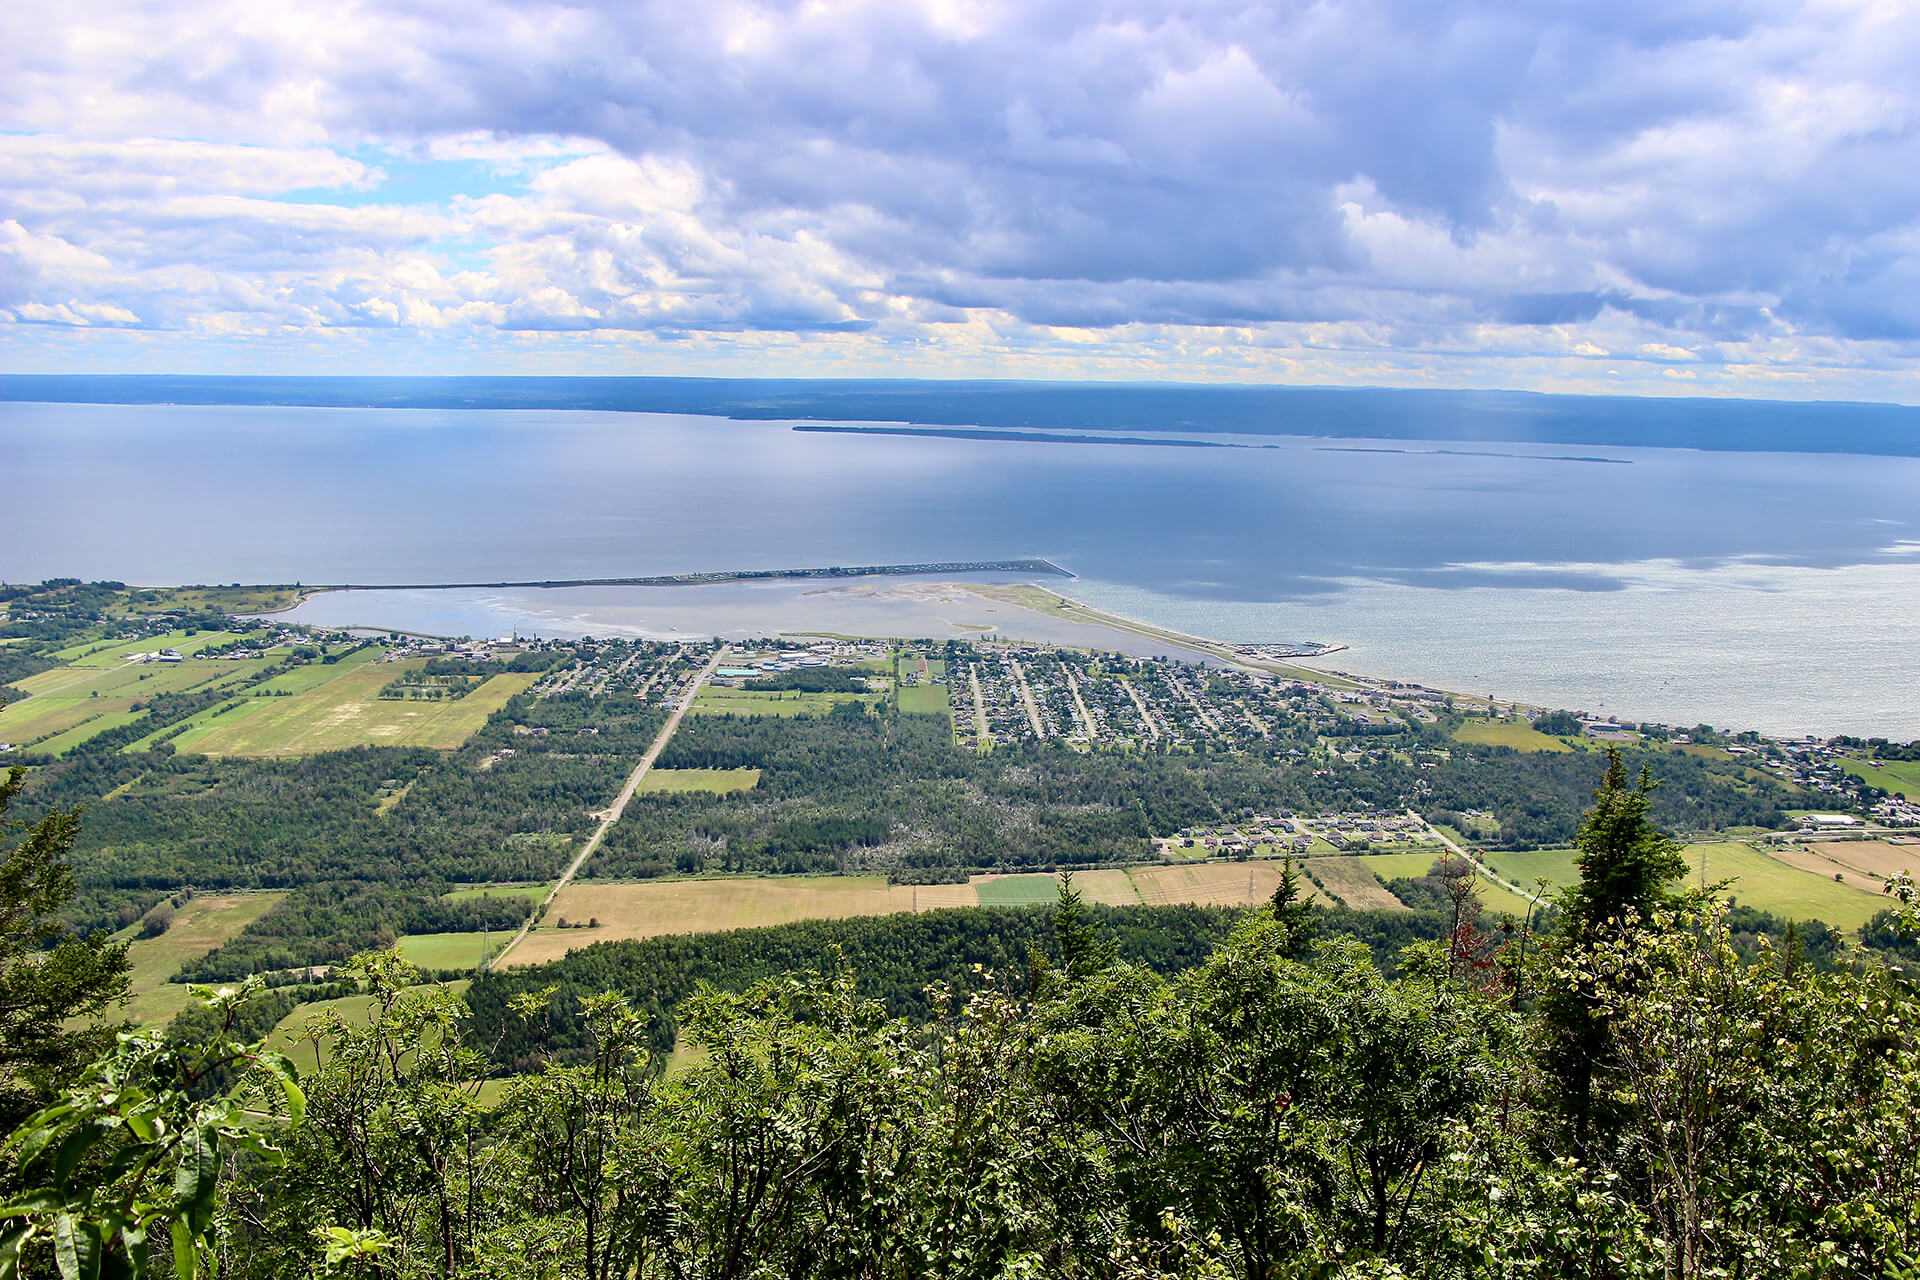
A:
{"x":198,"y":927}
{"x":70,"y":704}
{"x":1760,"y":881}
{"x":113,"y":653}
{"x":451,"y":950}
{"x":720,"y":700}
{"x":345,"y":711}
{"x":1902,"y":777}
{"x":1018,"y":891}
{"x":1412,"y":866}
{"x":1523,"y":868}
{"x":717,"y":781}
{"x":923,"y":699}
{"x":1517,"y":734}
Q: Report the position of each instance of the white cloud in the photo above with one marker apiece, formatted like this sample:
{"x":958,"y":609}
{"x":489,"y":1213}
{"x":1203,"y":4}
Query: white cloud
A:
{"x":1488,"y":192}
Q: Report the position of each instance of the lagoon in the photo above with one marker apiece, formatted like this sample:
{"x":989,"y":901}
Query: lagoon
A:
{"x":1750,"y":590}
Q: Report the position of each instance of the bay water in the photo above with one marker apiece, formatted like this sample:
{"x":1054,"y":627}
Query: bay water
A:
{"x":1750,"y":590}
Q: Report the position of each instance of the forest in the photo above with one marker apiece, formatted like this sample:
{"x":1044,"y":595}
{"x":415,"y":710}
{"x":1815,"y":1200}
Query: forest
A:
{"x":1625,"y":1092}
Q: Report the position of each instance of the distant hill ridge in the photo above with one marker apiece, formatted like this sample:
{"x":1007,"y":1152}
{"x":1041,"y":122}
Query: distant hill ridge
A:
{"x":1338,"y":412}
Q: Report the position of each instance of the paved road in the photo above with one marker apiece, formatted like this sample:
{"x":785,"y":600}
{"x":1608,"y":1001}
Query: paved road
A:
{"x":612,"y":814}
{"x":1026,"y":696}
{"x":979,"y":706}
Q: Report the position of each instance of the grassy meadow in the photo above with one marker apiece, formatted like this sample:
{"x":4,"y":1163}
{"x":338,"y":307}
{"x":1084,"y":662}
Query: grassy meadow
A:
{"x":198,"y":927}
{"x":714,"y":781}
{"x":716,"y":700}
{"x":345,"y":711}
{"x":1902,"y":777}
{"x":1517,"y":734}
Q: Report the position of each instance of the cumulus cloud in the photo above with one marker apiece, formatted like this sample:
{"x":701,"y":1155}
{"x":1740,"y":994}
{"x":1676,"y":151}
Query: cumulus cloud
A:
{"x":1582,"y":194}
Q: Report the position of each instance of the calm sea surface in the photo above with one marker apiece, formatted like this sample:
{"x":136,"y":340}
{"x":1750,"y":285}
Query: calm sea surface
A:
{"x":1773,"y":591}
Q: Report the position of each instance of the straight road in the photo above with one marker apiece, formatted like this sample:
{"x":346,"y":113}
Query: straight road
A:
{"x":979,"y":706}
{"x":612,"y":814}
{"x":1026,"y":696}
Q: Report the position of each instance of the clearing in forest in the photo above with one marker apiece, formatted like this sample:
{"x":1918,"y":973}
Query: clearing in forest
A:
{"x":1517,"y":734}
{"x":716,"y":781}
{"x":347,"y":711}
{"x":199,"y":926}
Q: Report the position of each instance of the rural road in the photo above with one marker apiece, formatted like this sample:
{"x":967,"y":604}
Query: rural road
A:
{"x":612,"y":814}
{"x":1485,"y":870}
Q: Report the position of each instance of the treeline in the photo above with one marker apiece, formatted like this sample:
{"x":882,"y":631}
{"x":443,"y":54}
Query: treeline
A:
{"x":899,"y":958}
{"x":328,"y":922}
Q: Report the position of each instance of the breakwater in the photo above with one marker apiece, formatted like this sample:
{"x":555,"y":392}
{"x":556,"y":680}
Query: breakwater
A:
{"x":1036,"y":565}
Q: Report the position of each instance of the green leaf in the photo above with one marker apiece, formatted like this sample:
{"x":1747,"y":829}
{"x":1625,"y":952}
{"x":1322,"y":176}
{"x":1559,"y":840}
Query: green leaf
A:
{"x":42,"y":1201}
{"x":76,"y":1248}
{"x":73,"y":1150}
{"x":10,"y":1245}
{"x":278,"y":1065}
{"x":196,"y":1177}
{"x":186,"y":1259}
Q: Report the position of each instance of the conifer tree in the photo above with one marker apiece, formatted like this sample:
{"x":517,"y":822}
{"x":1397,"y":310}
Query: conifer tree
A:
{"x":1628,"y":868}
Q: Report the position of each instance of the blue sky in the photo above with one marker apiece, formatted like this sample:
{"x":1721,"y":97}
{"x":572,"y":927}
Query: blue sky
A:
{"x":1670,"y":198}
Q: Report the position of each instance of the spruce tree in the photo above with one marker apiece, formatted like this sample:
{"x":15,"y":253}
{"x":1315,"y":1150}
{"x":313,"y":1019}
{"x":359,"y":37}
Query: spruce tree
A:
{"x":1628,"y":870}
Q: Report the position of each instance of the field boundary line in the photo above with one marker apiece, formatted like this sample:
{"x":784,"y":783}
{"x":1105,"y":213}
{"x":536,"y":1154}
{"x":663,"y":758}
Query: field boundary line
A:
{"x":619,"y":806}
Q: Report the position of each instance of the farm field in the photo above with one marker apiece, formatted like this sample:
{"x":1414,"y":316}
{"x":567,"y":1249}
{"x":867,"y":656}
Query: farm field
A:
{"x":1557,"y":866}
{"x":73,"y":703}
{"x":720,"y":700}
{"x":656,"y":907}
{"x":652,"y":908}
{"x":345,"y":712}
{"x":1212,"y":884}
{"x":1112,"y":887}
{"x":1865,"y":861}
{"x":715,"y":781}
{"x":113,"y":653}
{"x":1349,"y":880}
{"x":450,"y":950}
{"x":1797,"y":882}
{"x":1772,"y":885}
{"x":1393,"y":866}
{"x":1517,"y":734}
{"x":198,"y":927}
{"x":1902,"y":777}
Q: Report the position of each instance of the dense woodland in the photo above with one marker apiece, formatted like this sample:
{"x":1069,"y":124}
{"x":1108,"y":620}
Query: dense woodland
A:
{"x":1629,"y":1093}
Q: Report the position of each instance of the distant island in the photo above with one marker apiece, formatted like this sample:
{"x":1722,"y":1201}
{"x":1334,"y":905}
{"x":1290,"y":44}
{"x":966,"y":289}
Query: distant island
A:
{"x":1377,"y":413}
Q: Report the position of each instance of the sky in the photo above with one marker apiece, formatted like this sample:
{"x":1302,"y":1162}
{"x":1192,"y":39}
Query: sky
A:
{"x":1641,"y":196}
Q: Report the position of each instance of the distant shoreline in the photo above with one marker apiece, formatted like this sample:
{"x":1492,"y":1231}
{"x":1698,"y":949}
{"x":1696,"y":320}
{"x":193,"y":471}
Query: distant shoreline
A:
{"x":1034,"y":565}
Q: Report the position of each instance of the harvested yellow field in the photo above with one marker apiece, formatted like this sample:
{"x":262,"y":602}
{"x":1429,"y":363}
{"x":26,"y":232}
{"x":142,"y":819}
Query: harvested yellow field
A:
{"x":1349,"y":880}
{"x":1230,"y":884}
{"x":346,"y":711}
{"x":652,"y":908}
{"x":1866,"y":860}
{"x":933,"y":897}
